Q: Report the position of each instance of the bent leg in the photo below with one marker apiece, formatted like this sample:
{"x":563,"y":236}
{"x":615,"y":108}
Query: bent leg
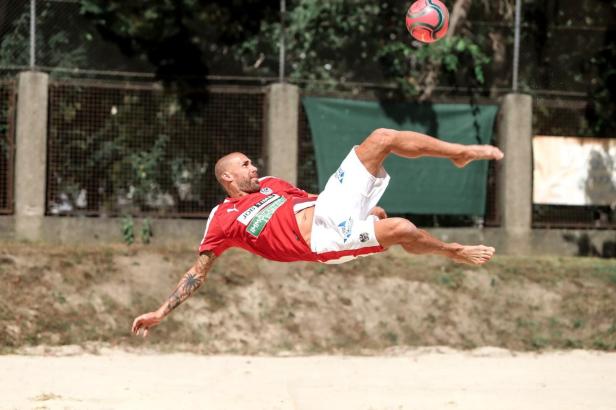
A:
{"x":409,"y":144}
{"x":400,"y":231}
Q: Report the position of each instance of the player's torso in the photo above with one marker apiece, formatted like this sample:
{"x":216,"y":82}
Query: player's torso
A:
{"x":264,"y":222}
{"x":249,"y":215}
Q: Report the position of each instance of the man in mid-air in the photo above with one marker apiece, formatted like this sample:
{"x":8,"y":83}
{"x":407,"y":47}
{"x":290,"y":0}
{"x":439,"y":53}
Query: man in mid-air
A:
{"x":274,"y":219}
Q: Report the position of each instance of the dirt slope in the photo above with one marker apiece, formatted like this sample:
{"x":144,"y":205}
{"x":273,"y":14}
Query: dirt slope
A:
{"x":60,"y":295}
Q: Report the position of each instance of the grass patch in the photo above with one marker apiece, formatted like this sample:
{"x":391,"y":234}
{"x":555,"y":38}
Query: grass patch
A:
{"x":605,"y":273}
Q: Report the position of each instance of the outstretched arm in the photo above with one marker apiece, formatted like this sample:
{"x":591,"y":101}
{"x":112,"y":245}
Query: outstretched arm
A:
{"x":190,"y":282}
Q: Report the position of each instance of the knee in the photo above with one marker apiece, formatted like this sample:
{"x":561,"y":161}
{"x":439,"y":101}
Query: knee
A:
{"x":404,"y":229}
{"x":395,"y":231}
{"x":380,"y":140}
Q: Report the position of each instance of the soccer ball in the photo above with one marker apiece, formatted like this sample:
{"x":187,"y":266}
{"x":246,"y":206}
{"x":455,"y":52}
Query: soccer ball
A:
{"x":427,"y":20}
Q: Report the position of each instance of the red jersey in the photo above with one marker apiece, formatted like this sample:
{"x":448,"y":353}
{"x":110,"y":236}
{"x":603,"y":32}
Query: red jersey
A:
{"x":262,"y":222}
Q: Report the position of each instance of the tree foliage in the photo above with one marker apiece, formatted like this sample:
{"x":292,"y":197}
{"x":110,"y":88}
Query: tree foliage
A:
{"x":337,"y":43}
{"x":57,"y":48}
{"x":183,"y":39}
{"x":330,"y":44}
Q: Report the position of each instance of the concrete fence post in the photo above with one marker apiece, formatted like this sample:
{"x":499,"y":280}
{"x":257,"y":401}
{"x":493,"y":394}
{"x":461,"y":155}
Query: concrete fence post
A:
{"x":515,"y":176}
{"x":281,"y":135}
{"x":31,"y":154}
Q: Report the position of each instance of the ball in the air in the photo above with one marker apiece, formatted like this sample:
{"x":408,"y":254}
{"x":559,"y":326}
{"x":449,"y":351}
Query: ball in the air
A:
{"x":427,"y":20}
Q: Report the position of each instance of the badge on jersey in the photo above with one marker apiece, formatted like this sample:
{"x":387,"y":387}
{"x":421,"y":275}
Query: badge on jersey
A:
{"x":266,"y":191}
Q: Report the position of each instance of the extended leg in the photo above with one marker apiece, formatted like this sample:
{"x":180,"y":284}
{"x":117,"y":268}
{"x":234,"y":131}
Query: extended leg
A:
{"x":409,"y":144}
{"x":399,"y":231}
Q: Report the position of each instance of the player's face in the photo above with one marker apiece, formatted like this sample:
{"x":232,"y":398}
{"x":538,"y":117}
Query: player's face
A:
{"x":245,"y":174}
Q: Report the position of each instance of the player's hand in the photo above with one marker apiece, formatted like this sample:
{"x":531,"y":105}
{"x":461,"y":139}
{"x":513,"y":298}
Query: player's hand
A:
{"x":143,"y":323}
{"x":378,"y":212}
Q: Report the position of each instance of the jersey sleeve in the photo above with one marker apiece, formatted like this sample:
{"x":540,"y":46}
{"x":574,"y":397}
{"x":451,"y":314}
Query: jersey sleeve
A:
{"x":214,"y":238}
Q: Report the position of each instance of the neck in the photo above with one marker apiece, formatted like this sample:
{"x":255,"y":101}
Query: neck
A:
{"x":235,"y":192}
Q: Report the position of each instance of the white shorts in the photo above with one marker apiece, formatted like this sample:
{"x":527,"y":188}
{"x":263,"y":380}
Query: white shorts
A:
{"x":342,"y":228}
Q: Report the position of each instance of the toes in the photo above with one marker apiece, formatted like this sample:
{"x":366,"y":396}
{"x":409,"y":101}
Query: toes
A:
{"x":493,"y":152}
{"x":482,"y":255}
{"x":477,"y":255}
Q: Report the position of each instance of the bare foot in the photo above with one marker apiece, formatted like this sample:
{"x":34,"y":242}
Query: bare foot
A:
{"x":474,"y":255}
{"x":474,"y":152}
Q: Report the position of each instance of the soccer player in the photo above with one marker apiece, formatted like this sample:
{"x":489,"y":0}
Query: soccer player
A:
{"x":274,"y":219}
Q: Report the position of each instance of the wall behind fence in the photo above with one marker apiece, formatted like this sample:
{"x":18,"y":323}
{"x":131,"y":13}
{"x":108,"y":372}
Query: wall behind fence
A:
{"x":131,"y":149}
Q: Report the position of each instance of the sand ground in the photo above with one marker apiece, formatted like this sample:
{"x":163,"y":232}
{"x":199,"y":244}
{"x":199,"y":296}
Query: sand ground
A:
{"x":435,"y":378}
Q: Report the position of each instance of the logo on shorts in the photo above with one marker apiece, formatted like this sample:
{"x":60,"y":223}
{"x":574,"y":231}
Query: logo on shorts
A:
{"x":340,"y":175}
{"x":345,"y":228}
{"x":364,"y":236}
{"x":266,"y":191}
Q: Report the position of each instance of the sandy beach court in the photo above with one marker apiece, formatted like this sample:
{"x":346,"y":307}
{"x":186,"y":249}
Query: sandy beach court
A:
{"x":422,"y":379}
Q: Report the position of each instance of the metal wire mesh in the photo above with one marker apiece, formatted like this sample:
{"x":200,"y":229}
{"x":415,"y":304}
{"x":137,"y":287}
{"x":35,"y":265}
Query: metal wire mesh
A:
{"x":83,"y":124}
{"x":567,"y":118}
{"x":566,"y":112}
{"x":14,"y":33}
{"x":560,"y":117}
{"x":7,"y":105}
{"x":58,"y":47}
{"x":559,"y":53}
{"x":132,"y":149}
{"x":565,"y":216}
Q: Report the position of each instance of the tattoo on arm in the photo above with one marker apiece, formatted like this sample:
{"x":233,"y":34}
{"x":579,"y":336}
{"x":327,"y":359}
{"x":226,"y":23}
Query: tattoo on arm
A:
{"x":191,"y":281}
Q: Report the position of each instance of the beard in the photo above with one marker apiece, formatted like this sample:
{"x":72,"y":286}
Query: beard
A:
{"x":249,"y":186}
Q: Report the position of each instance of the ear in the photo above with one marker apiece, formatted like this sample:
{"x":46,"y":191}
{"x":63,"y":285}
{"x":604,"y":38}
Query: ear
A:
{"x":227,"y":176}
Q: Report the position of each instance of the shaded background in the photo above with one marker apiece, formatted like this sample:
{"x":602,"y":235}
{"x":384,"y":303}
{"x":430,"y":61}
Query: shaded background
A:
{"x":135,"y":123}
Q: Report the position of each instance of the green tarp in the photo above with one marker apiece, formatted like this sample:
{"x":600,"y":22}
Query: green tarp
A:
{"x":422,"y":185}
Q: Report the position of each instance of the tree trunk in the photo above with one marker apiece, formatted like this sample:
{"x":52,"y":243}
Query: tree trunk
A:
{"x":456,"y":20}
{"x":458,"y":15}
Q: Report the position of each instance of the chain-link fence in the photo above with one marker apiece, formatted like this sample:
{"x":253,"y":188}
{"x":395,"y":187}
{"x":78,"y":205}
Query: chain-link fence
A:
{"x":7,"y":122}
{"x":563,"y":60}
{"x":132,"y":149}
{"x":52,"y":44}
{"x":14,"y":36}
{"x":555,"y":39}
{"x":560,"y":54}
{"x":566,"y":118}
{"x":564,"y":65}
